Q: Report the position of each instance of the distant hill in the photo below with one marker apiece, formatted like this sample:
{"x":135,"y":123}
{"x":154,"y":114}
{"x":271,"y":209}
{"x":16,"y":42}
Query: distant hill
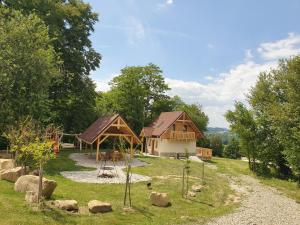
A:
{"x":216,"y":130}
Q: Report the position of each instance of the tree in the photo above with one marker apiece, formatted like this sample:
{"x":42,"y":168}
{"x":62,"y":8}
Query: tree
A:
{"x":28,"y":63}
{"x":19,"y":135}
{"x":136,"y":91}
{"x":42,"y":152}
{"x":70,"y":24}
{"x":32,"y":144}
{"x":216,"y":145}
{"x":262,"y":99}
{"x":232,"y":150}
{"x":242,"y":123}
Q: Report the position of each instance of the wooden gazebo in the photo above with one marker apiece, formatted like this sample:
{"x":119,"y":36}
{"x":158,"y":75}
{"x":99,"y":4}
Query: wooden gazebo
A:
{"x":109,"y":126}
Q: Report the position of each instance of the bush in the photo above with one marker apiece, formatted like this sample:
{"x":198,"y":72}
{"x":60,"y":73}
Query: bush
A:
{"x":232,"y":150}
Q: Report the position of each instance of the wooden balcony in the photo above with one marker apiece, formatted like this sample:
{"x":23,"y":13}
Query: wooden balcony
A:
{"x":181,"y":136}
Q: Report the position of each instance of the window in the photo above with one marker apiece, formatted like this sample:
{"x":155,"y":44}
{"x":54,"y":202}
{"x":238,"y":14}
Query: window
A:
{"x":174,"y":127}
{"x":185,"y":128}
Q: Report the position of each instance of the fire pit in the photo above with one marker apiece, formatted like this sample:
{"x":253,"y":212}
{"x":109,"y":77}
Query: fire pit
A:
{"x":105,"y":175}
{"x":107,"y":172}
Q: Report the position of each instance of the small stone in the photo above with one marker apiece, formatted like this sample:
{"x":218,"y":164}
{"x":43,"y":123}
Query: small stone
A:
{"x":197,"y":188}
{"x":96,"y":206}
{"x":31,"y":197}
{"x":69,"y":205}
{"x":159,"y":199}
{"x":191,"y":194}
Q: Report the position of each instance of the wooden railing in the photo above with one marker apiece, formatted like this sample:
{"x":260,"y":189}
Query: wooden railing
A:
{"x":180,"y":135}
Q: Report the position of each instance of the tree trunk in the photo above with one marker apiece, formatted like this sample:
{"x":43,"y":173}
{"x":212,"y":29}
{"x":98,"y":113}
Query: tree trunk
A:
{"x":203,"y":172}
{"x":183,"y":178}
{"x":129,"y":185}
{"x":40,"y":183}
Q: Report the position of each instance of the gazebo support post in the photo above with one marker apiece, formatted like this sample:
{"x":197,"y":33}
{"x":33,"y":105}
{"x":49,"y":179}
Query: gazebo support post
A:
{"x":131,"y":147}
{"x":80,"y":144}
{"x":97,"y":153}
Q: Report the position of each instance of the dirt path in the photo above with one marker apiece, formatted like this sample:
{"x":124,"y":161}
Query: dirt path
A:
{"x":260,"y":205}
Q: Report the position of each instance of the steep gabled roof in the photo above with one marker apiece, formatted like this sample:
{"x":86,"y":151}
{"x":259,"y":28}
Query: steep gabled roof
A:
{"x":96,"y":128}
{"x":163,"y":122}
{"x":106,"y":124}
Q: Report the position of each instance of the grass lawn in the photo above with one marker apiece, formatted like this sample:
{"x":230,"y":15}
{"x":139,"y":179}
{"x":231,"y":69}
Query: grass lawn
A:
{"x":208,"y":203}
{"x":236,"y":167}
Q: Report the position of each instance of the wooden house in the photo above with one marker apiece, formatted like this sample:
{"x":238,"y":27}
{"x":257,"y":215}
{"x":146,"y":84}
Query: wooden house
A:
{"x":172,"y":133}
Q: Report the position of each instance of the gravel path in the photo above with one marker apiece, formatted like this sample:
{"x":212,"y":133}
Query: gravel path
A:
{"x":92,"y":176}
{"x":260,"y":205}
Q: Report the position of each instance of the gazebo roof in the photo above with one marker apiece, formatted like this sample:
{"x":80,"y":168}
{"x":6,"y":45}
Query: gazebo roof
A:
{"x":109,"y":125}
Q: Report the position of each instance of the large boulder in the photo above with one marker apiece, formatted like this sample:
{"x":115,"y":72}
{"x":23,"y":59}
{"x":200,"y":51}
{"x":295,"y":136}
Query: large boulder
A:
{"x":11,"y":175}
{"x":31,"y":197}
{"x":96,"y":206}
{"x":159,"y":199}
{"x":6,"y":164}
{"x":31,"y":183}
{"x":69,"y":205}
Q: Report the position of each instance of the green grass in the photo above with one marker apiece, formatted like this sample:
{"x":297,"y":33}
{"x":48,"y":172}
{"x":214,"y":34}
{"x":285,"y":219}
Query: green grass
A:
{"x":236,"y":167}
{"x":209,"y":203}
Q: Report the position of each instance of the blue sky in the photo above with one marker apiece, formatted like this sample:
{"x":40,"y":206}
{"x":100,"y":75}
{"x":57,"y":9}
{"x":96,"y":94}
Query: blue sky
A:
{"x":210,"y":51}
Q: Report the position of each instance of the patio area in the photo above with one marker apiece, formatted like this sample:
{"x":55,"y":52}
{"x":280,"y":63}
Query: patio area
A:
{"x":113,"y":170}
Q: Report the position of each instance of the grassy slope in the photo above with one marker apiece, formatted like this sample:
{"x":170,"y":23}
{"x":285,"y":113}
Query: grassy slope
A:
{"x":236,"y":167}
{"x":207,"y":204}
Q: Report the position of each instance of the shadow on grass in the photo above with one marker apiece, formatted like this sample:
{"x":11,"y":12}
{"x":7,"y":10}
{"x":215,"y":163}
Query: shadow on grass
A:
{"x":144,"y":212}
{"x":203,"y":203}
{"x":63,"y":163}
{"x":58,"y":216}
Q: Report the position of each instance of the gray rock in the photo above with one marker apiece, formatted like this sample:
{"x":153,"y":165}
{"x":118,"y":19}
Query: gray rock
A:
{"x":192,"y":194}
{"x":197,"y":188}
{"x":69,"y":205}
{"x":96,"y":206}
{"x":6,"y":164}
{"x":31,"y":183}
{"x":159,"y":199}
{"x":11,"y":175}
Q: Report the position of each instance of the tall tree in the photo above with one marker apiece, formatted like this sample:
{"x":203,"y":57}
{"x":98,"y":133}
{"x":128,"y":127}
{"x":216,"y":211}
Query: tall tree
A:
{"x":70,"y":25}
{"x":242,"y":123}
{"x":28,"y":63}
{"x":136,"y":91}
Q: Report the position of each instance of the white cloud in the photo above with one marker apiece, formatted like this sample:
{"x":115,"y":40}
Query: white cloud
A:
{"x":103,"y":84}
{"x":219,"y":95}
{"x":280,"y":49}
{"x":137,"y":31}
{"x":165,"y":4}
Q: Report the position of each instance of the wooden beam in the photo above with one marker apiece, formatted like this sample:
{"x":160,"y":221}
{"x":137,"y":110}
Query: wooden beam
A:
{"x":97,"y":153}
{"x":80,"y":144}
{"x":118,"y":125}
{"x":131,"y":147}
{"x":184,"y":121}
{"x":118,"y":135}
{"x":103,"y":139}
